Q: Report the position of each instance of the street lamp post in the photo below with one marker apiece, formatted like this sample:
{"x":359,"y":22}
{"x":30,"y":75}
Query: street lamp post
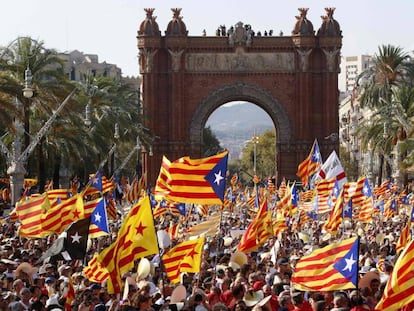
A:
{"x":255,"y":141}
{"x":16,"y":169}
{"x":17,"y":158}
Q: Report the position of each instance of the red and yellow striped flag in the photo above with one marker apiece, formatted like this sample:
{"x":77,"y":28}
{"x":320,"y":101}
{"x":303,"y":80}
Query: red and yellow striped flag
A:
{"x":282,"y":188}
{"x":94,"y":270}
{"x":198,"y":181}
{"x":335,"y":217}
{"x":185,"y":257}
{"x":310,"y":165}
{"x":399,"y":290}
{"x":173,"y":230}
{"x":70,"y":295}
{"x":62,"y":194}
{"x":29,"y":213}
{"x":333,"y":267}
{"x":258,"y":231}
{"x":61,"y":215}
{"x":404,"y":238}
{"x":210,"y":227}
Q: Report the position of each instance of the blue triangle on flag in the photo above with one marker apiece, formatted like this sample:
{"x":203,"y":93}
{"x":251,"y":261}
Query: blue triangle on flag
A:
{"x":347,"y":209}
{"x":348,"y":265}
{"x":97,"y":181}
{"x":99,"y":216}
{"x":217,"y":177}
{"x":181,"y":208}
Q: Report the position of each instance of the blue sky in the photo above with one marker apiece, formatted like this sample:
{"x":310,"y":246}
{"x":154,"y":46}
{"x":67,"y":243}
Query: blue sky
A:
{"x":108,"y":28}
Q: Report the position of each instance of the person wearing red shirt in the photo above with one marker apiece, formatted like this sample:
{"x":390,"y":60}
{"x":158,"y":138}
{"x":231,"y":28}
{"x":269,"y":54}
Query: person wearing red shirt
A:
{"x":299,"y":302}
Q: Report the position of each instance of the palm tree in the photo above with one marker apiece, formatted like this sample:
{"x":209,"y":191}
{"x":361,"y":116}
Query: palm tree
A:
{"x":27,"y":56}
{"x":111,"y":103}
{"x":69,"y":143}
{"x":389,"y":70}
{"x":378,"y":86}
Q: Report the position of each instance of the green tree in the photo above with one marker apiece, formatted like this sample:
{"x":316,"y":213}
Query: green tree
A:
{"x":27,"y":58}
{"x":211,"y":144}
{"x":379,"y":86}
{"x":69,"y":143}
{"x":265,"y":156}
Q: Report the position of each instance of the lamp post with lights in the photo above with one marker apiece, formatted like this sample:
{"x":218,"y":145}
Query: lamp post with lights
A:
{"x":255,"y":141}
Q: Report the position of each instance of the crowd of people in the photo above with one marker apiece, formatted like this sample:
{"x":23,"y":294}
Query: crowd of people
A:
{"x":228,"y":279}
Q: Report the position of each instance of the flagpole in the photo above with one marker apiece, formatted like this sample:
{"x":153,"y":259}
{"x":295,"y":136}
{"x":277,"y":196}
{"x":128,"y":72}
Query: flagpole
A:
{"x":218,"y":248}
{"x":161,"y":266}
{"x":199,"y":268}
{"x":357,"y":267}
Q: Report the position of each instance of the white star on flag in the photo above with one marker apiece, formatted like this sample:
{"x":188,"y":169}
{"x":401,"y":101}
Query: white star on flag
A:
{"x":97,"y":217}
{"x":76,"y":238}
{"x":219,"y":178}
{"x":347,"y":208}
{"x":349,"y":263}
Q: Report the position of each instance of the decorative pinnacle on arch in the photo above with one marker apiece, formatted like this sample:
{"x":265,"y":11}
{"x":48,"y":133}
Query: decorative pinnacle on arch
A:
{"x":176,"y":12}
{"x":149,"y":12}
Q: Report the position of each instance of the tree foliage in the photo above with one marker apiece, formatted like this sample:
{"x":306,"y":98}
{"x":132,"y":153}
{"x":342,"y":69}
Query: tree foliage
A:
{"x":211,"y":144}
{"x":69,"y":145}
{"x":265,"y":156}
{"x":386,"y":88}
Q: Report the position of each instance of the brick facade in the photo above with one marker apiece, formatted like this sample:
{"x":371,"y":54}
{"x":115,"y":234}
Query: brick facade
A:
{"x":293,"y":78}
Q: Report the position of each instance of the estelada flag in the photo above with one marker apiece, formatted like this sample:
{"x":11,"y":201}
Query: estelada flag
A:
{"x":310,"y":165}
{"x":333,"y":267}
{"x":197,"y":181}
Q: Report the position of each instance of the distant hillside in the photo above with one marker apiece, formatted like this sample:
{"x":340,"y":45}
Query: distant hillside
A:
{"x":235,"y":125}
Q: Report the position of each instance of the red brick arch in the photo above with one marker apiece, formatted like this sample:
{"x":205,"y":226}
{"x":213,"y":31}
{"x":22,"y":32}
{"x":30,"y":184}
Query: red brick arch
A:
{"x":185,"y":78}
{"x":235,"y":92}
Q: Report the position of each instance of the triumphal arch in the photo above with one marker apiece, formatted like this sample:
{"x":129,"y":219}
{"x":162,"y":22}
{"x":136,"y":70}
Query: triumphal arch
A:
{"x":293,"y":78}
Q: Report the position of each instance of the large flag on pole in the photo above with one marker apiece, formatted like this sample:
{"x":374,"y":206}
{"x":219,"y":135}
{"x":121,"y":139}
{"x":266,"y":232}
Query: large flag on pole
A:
{"x":136,"y":239}
{"x":310,"y":165}
{"x":198,"y":181}
{"x":333,"y":267}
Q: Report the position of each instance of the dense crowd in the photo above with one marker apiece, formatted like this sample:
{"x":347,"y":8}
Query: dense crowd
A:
{"x":229,"y":280}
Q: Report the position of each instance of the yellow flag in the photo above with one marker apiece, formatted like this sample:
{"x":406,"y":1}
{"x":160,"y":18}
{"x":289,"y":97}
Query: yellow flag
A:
{"x":136,"y":239}
{"x":185,"y":257}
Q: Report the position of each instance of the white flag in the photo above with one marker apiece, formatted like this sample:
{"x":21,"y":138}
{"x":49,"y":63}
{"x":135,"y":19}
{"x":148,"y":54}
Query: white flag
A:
{"x":332,"y":167}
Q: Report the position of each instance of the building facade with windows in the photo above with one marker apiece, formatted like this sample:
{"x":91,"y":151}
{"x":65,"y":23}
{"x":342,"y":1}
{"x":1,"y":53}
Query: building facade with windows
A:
{"x":351,"y":68}
{"x":78,"y":64}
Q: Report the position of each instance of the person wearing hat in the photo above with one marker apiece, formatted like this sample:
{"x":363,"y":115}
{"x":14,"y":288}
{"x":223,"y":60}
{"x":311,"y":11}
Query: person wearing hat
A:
{"x":10,"y":267}
{"x":218,"y":279}
{"x":273,"y":302}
